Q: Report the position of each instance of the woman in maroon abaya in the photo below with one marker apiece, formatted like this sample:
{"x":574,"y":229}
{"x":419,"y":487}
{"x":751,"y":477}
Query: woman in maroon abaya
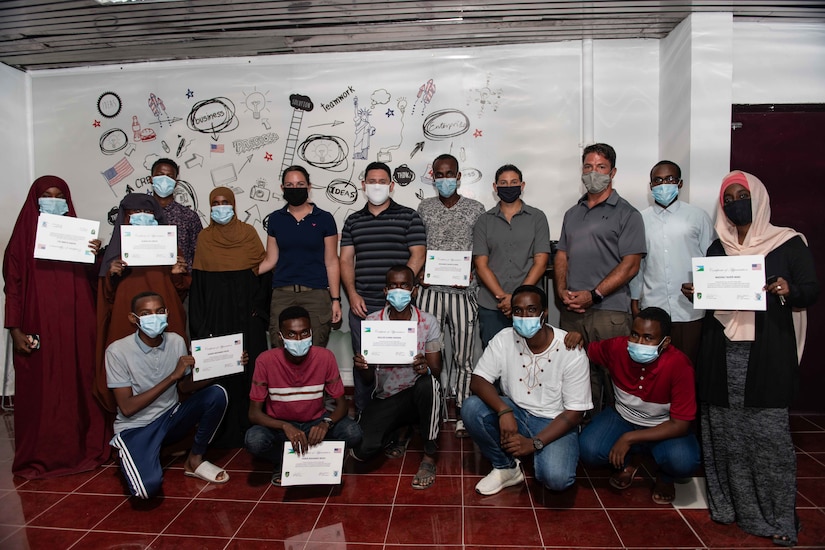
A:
{"x":59,"y":427}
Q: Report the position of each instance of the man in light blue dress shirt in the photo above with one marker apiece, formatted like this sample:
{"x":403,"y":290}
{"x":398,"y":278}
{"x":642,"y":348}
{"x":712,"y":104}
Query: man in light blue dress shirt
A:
{"x":675,"y":232}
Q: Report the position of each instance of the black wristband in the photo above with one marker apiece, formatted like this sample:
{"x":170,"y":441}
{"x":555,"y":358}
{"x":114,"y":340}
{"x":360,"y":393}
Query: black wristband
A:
{"x":338,"y":299}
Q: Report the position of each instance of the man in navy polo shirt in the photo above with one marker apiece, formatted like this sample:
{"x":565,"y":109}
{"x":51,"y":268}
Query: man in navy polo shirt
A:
{"x":375,"y":238}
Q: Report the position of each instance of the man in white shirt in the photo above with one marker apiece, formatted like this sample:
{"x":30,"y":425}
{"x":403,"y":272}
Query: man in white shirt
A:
{"x":675,"y":232}
{"x":546,"y":390}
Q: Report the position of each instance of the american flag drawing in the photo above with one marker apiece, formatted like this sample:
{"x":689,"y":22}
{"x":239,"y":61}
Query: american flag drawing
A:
{"x":117,"y":172}
{"x":216,"y":147}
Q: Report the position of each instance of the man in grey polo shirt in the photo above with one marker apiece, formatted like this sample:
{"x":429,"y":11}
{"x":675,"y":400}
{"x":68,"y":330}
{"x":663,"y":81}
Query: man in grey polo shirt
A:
{"x":601,"y":245}
{"x":144,"y":371}
{"x":511,"y":247}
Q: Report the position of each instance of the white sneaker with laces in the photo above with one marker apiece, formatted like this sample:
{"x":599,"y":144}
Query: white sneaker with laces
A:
{"x":499,"y":479}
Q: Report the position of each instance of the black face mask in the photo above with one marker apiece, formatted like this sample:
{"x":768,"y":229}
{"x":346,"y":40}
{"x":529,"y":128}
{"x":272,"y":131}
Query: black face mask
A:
{"x":296,"y":196}
{"x":739,"y":212}
{"x":509,"y":194}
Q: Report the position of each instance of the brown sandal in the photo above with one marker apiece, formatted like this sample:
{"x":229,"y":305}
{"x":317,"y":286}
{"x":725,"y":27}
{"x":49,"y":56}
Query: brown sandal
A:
{"x":623,"y":479}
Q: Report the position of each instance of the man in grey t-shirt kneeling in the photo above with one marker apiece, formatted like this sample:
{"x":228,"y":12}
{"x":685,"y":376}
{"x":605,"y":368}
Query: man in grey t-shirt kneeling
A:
{"x":145,"y":371}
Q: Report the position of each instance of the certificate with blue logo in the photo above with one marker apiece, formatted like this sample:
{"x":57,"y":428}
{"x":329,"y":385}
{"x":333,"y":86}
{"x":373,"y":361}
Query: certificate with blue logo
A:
{"x":389,"y":342}
{"x":729,"y":283}
{"x":320,"y":464}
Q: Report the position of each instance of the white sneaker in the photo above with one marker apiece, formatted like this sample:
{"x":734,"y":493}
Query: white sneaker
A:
{"x":497,"y":480}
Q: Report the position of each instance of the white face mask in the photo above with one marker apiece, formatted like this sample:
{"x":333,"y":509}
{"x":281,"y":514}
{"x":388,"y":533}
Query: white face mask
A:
{"x":377,"y":193}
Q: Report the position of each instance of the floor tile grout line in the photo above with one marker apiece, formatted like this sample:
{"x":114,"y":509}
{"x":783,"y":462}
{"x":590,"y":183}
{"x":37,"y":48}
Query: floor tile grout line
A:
{"x":394,"y":499}
{"x":252,"y":510}
{"x":690,"y":526}
{"x":605,"y":509}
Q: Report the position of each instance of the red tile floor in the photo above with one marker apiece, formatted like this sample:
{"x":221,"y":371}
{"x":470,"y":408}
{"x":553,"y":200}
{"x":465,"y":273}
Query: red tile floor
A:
{"x":375,"y":508}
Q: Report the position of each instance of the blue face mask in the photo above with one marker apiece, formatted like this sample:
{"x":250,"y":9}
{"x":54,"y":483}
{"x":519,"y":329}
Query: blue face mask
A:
{"x":223,"y":213}
{"x":664,"y":193}
{"x":153,"y":325}
{"x":297,"y":348}
{"x":142,"y":218}
{"x":51,"y":205}
{"x":642,"y":353}
{"x":399,"y":298}
{"x":446,"y":186}
{"x":527,"y":327}
{"x":163,"y":185}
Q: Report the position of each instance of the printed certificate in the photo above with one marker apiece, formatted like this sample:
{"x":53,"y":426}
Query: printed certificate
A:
{"x":729,"y":282}
{"x":318,"y":465}
{"x":389,"y":342}
{"x":447,"y":267}
{"x":149,"y":244}
{"x":217,"y":356}
{"x":65,"y":238}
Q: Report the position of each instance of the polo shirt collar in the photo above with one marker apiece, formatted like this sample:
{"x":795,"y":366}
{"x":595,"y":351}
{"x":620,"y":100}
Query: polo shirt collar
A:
{"x":522,"y":210}
{"x":146,"y":349}
{"x":612,"y":199}
{"x":313,"y":212}
{"x":393,"y":206}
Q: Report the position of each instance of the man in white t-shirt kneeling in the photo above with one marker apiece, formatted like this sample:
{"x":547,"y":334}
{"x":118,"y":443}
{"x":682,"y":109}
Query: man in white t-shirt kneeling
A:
{"x":546,"y":390}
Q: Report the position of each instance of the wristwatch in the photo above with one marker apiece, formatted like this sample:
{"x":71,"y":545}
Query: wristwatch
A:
{"x":538,"y":444}
{"x":329,"y":421}
{"x":596,"y":297}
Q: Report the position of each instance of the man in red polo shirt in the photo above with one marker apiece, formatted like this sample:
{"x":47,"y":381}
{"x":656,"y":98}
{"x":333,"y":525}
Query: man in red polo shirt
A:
{"x":655,"y":405}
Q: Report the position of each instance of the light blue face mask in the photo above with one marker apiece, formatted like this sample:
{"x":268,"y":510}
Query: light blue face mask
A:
{"x":52,"y":205}
{"x":664,"y":193}
{"x":142,"y":218}
{"x":297,"y":348}
{"x":446,"y":186}
{"x":643,"y":353}
{"x":153,"y":325}
{"x":527,"y":327}
{"x":399,"y":298}
{"x":163,"y":185}
{"x":223,"y":213}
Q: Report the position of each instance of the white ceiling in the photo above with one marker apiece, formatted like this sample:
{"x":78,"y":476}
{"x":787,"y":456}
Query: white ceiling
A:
{"x":40,"y":34}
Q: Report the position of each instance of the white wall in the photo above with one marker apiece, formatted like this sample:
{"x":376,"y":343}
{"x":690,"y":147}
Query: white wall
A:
{"x":778,"y":63}
{"x":16,"y":160}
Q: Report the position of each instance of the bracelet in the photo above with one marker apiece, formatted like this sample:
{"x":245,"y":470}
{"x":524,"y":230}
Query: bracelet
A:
{"x":338,"y":299}
{"x":505,"y":411}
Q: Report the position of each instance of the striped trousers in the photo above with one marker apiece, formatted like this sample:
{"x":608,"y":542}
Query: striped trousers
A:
{"x":458,"y":313}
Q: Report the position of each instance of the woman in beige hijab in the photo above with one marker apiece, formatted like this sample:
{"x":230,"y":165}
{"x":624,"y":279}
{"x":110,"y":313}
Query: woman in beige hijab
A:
{"x":747,"y":371}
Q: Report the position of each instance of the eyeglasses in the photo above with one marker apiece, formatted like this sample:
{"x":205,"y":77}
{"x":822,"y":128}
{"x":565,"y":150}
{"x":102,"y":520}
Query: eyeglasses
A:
{"x":668,"y":179}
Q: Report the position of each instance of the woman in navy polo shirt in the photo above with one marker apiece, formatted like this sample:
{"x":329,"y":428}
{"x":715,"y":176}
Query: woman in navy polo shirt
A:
{"x":302,"y":247}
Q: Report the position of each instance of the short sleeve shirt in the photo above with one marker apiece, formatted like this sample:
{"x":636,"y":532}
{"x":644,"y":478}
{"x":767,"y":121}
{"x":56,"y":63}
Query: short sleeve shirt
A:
{"x":393,"y":379}
{"x":132,"y":364}
{"x":595,"y":241}
{"x":381,"y":242}
{"x":648,"y":394}
{"x":450,"y":228}
{"x":295,"y":393}
{"x":544,"y":384}
{"x":509,"y":247}
{"x":301,"y":247}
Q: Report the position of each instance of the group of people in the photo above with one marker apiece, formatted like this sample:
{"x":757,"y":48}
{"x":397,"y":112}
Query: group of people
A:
{"x":620,"y":377}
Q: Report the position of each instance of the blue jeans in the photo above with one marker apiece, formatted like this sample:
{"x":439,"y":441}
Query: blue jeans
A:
{"x":677,"y":457}
{"x":268,"y":443}
{"x":491,"y":322}
{"x":555,"y":465}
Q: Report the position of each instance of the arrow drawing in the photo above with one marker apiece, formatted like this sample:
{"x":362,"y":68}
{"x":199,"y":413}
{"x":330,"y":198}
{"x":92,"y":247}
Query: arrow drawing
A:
{"x":196,"y":160}
{"x":254,"y":213}
{"x":248,"y":160}
{"x":418,"y":147}
{"x":130,"y":150}
{"x":335,"y":123}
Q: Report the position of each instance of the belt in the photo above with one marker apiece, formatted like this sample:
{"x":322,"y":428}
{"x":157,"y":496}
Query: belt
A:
{"x":296,"y":288}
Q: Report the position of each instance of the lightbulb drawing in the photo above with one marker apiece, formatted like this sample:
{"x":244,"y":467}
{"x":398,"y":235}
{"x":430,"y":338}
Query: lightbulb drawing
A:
{"x":256,"y":102}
